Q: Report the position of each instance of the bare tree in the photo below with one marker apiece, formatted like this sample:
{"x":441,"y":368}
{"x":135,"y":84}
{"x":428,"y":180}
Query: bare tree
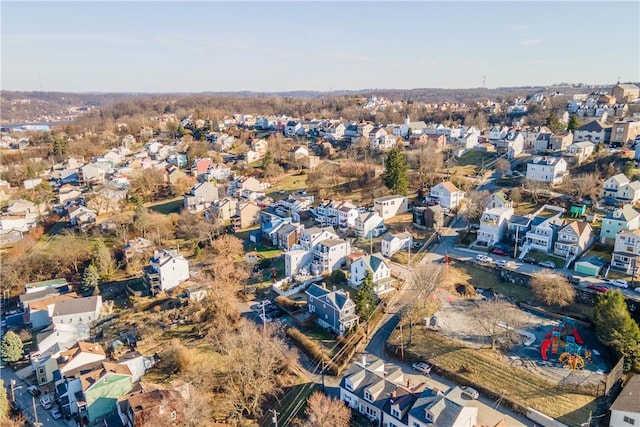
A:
{"x":502,"y":166}
{"x":497,"y":318}
{"x":474,"y":205}
{"x":516,"y":196}
{"x":552,"y":288}
{"x":425,"y":280}
{"x":324,"y":411}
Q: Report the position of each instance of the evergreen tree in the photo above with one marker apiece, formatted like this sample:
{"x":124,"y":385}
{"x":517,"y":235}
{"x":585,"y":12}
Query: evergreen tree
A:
{"x":573,"y":123}
{"x":11,"y":347}
{"x":102,"y":259}
{"x":395,"y":176}
{"x":553,"y":123}
{"x":616,"y":328}
{"x":365,"y":299}
{"x":268,"y":159}
{"x":91,"y":276}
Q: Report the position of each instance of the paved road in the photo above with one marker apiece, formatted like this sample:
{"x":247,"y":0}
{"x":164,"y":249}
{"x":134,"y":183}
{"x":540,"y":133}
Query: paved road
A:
{"x":25,"y":401}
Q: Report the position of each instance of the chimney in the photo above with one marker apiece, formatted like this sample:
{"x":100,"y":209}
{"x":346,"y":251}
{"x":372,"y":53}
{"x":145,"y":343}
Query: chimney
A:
{"x":409,"y":383}
{"x":324,"y":285}
{"x":363,"y":360}
{"x":334,"y":288}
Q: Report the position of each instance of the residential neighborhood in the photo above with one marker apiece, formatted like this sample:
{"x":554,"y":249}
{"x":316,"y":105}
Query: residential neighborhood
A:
{"x":238,"y":262}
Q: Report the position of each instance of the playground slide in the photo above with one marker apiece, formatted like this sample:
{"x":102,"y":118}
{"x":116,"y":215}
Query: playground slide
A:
{"x":577,"y":336}
{"x":544,"y":347}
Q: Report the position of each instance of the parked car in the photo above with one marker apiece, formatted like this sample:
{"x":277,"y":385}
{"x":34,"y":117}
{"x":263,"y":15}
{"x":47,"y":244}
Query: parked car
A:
{"x":483,"y":258}
{"x":423,"y":367}
{"x":547,"y":264}
{"x":469,"y":392}
{"x":529,"y":260}
{"x":574,"y":280}
{"x":56,"y":414}
{"x":598,"y":288}
{"x":33,"y":390}
{"x":501,"y":263}
{"x":265,"y":318}
{"x":637,"y":290}
{"x":47,"y":402}
{"x":619,"y":283}
{"x":499,"y":251}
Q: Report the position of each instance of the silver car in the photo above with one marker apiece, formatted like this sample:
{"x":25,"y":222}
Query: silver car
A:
{"x":470,"y":393}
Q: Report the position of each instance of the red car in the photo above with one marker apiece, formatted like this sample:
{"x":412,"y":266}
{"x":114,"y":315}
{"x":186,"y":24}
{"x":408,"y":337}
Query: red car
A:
{"x":598,"y":288}
{"x":501,"y":252}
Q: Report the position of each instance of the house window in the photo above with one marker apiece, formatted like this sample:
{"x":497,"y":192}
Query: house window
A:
{"x":368,"y":397}
{"x":629,"y":420}
{"x":173,"y":415}
{"x":395,"y":413}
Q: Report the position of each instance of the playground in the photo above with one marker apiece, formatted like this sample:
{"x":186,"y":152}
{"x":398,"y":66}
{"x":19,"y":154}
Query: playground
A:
{"x":559,"y":350}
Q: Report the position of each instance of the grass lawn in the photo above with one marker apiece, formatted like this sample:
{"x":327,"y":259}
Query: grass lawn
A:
{"x":541,"y":256}
{"x":487,"y":370}
{"x":289,"y":182}
{"x":267,"y":252}
{"x":524,"y":208}
{"x":481,"y":278}
{"x":473,"y":158}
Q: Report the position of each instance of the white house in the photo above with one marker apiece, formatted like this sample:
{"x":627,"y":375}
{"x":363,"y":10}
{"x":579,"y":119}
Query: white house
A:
{"x":499,"y":199}
{"x":580,"y":151}
{"x":310,"y":237}
{"x":493,"y":225}
{"x":392,"y":243}
{"x":390,"y":206}
{"x":76,"y":312}
{"x":446,"y":194}
{"x":593,"y":131}
{"x":544,"y":229}
{"x":625,"y":411}
{"x":551,"y":170}
{"x":412,"y":128}
{"x":514,"y":142}
{"x":626,"y":251}
{"x":613,"y":184}
{"x":380,"y":271}
{"x":629,"y":192}
{"x":347,"y":215}
{"x":200,"y":197}
{"x":330,"y":255}
{"x":166,"y":270}
{"x":368,"y":224}
{"x":296,"y":260}
{"x":293,"y":128}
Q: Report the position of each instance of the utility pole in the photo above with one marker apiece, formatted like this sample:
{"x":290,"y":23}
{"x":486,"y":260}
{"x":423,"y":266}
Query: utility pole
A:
{"x":275,"y":416}
{"x":35,"y":413}
{"x":264,"y":318}
{"x":515,"y":245}
{"x":401,"y":342}
{"x":13,"y":391}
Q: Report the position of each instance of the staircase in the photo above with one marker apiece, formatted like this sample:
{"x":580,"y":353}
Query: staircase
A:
{"x":570,"y":259}
{"x":524,"y":250}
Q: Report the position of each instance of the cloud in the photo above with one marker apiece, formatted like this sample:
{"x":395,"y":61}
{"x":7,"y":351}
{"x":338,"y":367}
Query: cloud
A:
{"x":530,"y":42}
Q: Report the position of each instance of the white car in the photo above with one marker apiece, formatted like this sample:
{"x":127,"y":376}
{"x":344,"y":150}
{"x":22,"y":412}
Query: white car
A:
{"x":469,"y":392}
{"x":619,"y":283}
{"x":422,"y":367}
{"x":483,"y":258}
{"x":502,"y":263}
{"x":47,"y":402}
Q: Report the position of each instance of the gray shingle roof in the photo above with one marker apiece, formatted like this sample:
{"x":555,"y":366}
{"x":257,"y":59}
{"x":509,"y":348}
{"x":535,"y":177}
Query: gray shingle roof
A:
{"x":76,"y":306}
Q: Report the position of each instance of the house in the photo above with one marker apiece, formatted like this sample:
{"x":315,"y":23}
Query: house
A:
{"x":392,"y":243}
{"x":578,"y":152}
{"x":623,"y":131}
{"x":498,"y":132}
{"x":78,"y":312}
{"x":334,"y":310}
{"x":447,"y":195}
{"x":589,"y":265}
{"x":247,"y":214}
{"x":330,"y":255}
{"x":166,"y":270}
{"x":626,"y":251}
{"x":381,"y":393}
{"x":68,"y":193}
{"x":347,"y":215}
{"x":368,"y":224}
{"x":288,"y":235}
{"x":560,"y":141}
{"x":573,"y":239}
{"x":38,"y":312}
{"x":512,"y":144}
{"x":223,"y":209}
{"x":625,"y":410}
{"x":434,"y":217}
{"x":242,"y":184}
{"x":493,"y":225}
{"x":594,"y":131}
{"x":624,"y":218}
{"x":80,"y":356}
{"x":200,"y":197}
{"x":542,"y":142}
{"x":216,"y":172}
{"x":139,"y":409}
{"x":432,"y":408}
{"x":629,"y":192}
{"x":201,"y":166}
{"x":91,"y":174}
{"x":625,"y":92}
{"x":390,"y":206}
{"x":613,"y":184}
{"x":410,"y":128}
{"x":543,"y":230}
{"x":297,"y":261}
{"x":310,"y":237}
{"x":498,"y":199}
{"x":260,"y":146}
{"x":298,"y":153}
{"x":550,"y":170}
{"x":81,"y":216}
{"x":293,"y":128}
{"x":99,"y":391}
{"x":380,"y":272}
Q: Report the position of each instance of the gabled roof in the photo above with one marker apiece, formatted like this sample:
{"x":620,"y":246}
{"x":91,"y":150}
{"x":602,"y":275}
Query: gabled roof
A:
{"x":501,"y":195}
{"x":625,"y":213}
{"x":620,"y":179}
{"x":448,"y":185}
{"x":374,"y":261}
{"x":635,"y":185}
{"x":89,"y":379}
{"x":578,"y":227}
{"x":592,"y":126}
{"x":628,"y":399}
{"x":77,"y":306}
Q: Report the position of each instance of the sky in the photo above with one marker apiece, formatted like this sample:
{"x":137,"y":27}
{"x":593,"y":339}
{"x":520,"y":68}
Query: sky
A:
{"x":178,"y":46}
